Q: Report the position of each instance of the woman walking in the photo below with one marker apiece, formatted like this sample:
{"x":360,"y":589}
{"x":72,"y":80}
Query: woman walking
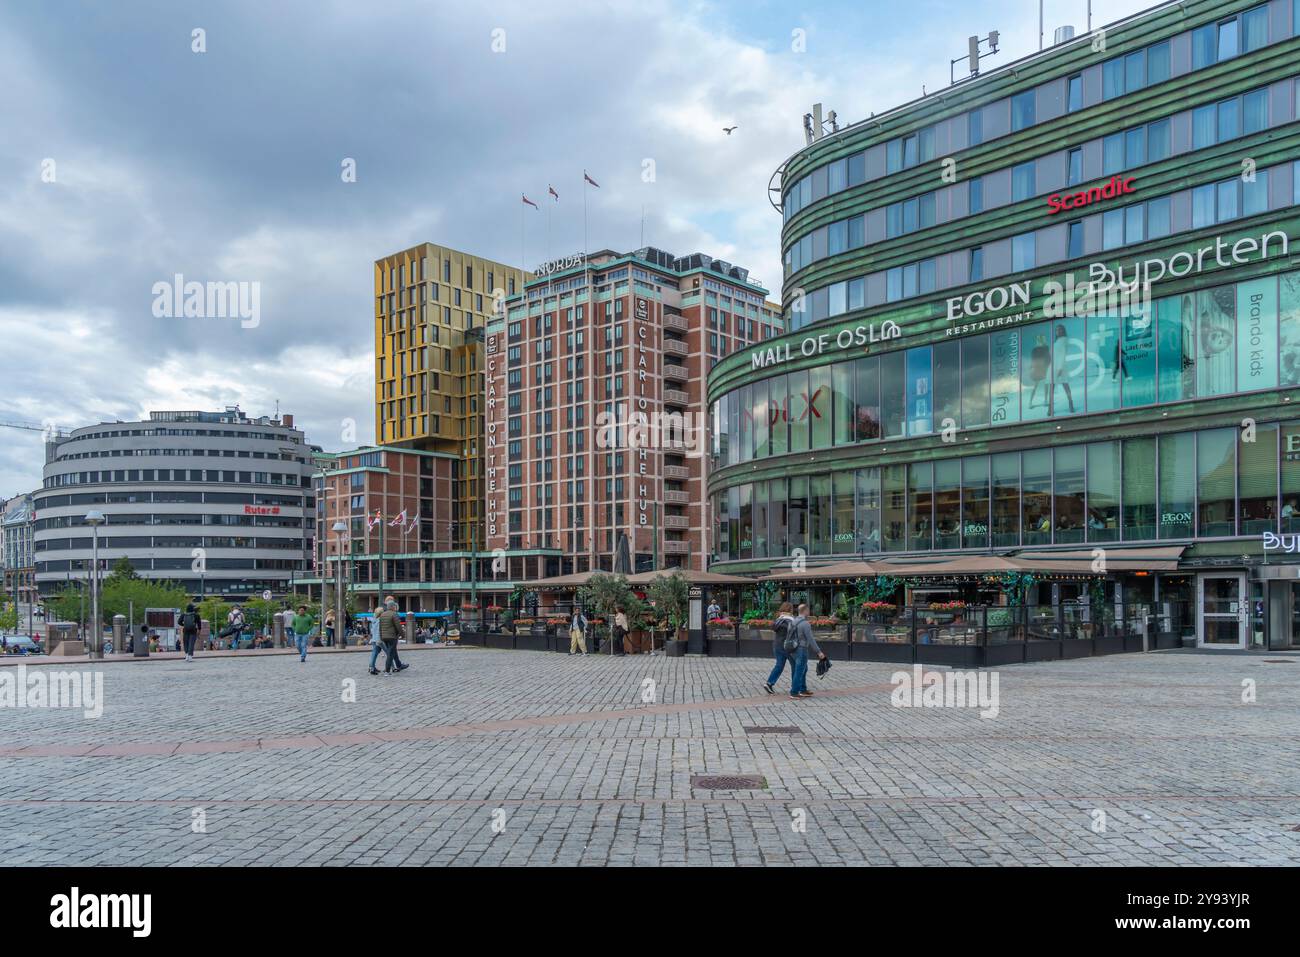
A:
{"x":782,"y":628}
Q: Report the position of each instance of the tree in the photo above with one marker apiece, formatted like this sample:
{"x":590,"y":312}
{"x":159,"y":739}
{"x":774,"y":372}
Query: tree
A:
{"x":214,"y":610}
{"x":67,"y":604}
{"x":121,"y":595}
{"x":671,"y":597}
{"x":123,"y":570}
{"x":604,"y":594}
{"x":8,"y":614}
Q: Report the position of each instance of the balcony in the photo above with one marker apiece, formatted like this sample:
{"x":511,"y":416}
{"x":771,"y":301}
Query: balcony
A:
{"x":676,"y":322}
{"x":676,"y":548}
{"x":677,"y":498}
{"x":677,"y":521}
{"x":676,"y":373}
{"x":676,"y":397}
{"x":679,"y":472}
{"x":675,"y":347}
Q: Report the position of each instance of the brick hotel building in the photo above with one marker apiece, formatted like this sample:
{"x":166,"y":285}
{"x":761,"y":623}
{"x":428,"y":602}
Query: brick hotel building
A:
{"x":588,"y":346}
{"x":966,"y":414}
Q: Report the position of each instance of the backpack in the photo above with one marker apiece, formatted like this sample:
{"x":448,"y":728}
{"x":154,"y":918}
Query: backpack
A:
{"x":790,"y":630}
{"x":190,"y":621}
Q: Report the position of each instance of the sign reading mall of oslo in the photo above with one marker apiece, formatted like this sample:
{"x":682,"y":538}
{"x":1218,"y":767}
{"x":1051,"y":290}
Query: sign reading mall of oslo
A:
{"x":1049,"y":321}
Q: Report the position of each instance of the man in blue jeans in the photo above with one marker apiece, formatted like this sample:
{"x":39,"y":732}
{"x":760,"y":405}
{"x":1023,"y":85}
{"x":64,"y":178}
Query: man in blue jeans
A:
{"x":807,"y":644}
{"x":303,"y":624}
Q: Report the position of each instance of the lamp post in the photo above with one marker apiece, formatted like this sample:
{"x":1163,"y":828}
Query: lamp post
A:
{"x":94,"y":519}
{"x":340,"y":632}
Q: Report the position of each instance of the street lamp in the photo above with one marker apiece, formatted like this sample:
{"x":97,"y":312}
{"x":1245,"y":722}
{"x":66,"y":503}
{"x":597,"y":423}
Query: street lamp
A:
{"x":340,"y":632}
{"x":95,"y":518}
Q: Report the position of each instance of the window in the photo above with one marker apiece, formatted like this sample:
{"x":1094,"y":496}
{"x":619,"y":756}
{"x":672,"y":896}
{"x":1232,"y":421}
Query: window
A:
{"x":1112,"y":154}
{"x":977,"y":264}
{"x":1076,"y":167}
{"x":975,"y":127}
{"x":1022,"y":110}
{"x":1158,"y":141}
{"x":1023,"y":181}
{"x":1022,"y":252}
{"x":1075,"y":245}
{"x":977,"y":195}
{"x":1074,"y":93}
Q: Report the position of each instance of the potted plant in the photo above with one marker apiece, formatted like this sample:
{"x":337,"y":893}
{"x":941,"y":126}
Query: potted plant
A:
{"x":670,"y":596}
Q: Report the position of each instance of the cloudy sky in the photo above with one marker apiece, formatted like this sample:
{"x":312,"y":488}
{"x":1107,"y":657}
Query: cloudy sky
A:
{"x":127,"y":157}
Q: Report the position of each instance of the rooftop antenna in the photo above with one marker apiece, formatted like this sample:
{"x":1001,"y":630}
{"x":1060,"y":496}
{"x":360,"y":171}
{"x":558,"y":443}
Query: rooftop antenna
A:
{"x":973,"y":55}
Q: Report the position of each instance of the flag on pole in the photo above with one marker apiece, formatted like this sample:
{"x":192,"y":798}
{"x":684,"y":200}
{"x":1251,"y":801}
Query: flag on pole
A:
{"x":530,"y":202}
{"x":590,"y":180}
{"x":400,"y":519}
{"x":374,"y":521}
{"x":551,"y":190}
{"x":412,"y":524}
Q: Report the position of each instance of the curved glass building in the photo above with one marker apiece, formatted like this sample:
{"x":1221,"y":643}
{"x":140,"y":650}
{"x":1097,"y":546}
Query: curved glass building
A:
{"x":1051,"y":311}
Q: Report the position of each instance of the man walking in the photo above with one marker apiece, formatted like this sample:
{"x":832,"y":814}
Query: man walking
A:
{"x":234,"y":626}
{"x":388,"y":634}
{"x":805,"y":644}
{"x":190,"y":630}
{"x":577,"y":631}
{"x":783,"y":629}
{"x":303,"y":624}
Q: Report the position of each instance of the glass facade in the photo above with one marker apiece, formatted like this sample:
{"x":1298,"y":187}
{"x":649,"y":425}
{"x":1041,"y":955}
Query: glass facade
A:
{"x":1211,"y":483}
{"x":1226,"y":340}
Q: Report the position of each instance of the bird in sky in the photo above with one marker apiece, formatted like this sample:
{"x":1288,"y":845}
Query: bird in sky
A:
{"x":728,"y":129}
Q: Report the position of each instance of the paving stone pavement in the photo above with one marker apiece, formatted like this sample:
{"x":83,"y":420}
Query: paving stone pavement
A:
{"x":479,"y":757}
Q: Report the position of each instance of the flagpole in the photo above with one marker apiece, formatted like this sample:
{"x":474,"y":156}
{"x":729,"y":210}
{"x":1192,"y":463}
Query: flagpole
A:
{"x":585,"y":250}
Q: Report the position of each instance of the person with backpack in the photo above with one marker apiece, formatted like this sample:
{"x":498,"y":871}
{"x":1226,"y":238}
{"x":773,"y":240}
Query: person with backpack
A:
{"x":577,"y":631}
{"x":302,"y":625}
{"x":783,"y":630}
{"x":804,"y":644}
{"x":190,"y":629}
{"x":234,"y":626}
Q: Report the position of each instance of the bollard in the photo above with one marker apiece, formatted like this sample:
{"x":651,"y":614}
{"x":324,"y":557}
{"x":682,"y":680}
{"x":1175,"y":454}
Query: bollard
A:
{"x":277,"y":627}
{"x":119,"y":633}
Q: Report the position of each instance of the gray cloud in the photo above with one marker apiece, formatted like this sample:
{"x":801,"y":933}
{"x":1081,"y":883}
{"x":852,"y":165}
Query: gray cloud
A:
{"x":225,"y":166}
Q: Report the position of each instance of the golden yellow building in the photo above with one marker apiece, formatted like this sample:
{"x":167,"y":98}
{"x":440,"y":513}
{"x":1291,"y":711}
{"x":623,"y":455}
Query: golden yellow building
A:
{"x":431,"y":305}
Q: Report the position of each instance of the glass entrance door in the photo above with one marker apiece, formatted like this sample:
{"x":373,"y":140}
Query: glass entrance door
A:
{"x":1223,"y":618}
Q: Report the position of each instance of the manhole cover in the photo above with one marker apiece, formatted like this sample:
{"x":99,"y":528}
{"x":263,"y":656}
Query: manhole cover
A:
{"x":775,"y":729}
{"x":1277,"y":661}
{"x":728,"y":782}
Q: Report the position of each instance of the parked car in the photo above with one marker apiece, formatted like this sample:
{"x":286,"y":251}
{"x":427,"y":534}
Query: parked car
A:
{"x":22,"y":645}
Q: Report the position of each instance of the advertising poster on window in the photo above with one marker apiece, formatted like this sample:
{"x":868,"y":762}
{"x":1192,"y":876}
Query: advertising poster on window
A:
{"x":1036,"y":372}
{"x":1105,"y":363}
{"x":1006,"y":376}
{"x":1215,"y":339}
{"x":1137,"y":368}
{"x":919,"y":394}
{"x":1069,"y":363}
{"x":1289,"y":330}
{"x":1257,"y":334}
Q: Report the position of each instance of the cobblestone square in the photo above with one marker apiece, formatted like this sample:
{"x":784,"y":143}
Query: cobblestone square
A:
{"x":480,"y":757}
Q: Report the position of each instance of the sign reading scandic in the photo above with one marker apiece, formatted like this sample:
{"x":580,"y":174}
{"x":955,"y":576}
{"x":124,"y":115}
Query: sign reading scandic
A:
{"x":1118,"y":186}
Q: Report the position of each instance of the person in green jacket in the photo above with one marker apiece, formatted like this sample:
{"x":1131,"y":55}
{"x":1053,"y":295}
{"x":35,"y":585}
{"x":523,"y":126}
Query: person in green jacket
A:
{"x":303,"y":624}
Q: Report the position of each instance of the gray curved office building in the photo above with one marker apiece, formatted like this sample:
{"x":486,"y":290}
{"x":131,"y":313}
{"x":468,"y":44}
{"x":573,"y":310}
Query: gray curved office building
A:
{"x":216,"y":501}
